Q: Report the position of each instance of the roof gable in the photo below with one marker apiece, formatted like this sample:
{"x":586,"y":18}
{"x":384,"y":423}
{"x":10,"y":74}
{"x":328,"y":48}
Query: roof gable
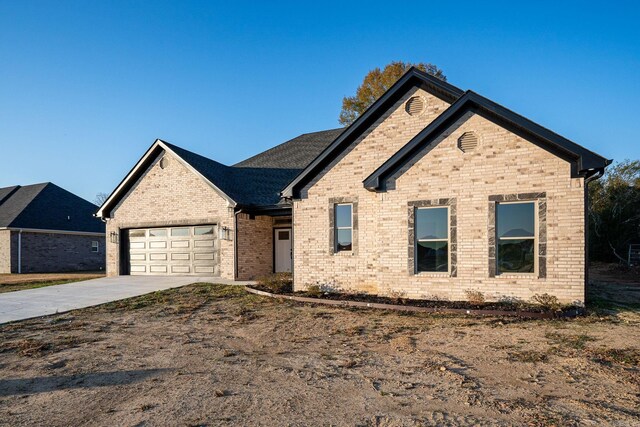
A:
{"x":256,"y":181}
{"x":47,"y":207}
{"x":245,"y":186}
{"x":194,"y":162}
{"x":582,"y":160}
{"x":412,"y":78}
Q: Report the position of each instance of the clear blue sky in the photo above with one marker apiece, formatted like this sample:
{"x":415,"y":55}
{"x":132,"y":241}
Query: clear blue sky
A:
{"x":87,"y":86}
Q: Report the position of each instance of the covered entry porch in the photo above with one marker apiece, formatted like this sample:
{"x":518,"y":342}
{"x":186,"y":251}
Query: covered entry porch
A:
{"x":263,"y":242}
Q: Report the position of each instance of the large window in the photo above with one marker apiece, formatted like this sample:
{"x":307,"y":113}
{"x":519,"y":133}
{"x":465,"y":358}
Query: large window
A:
{"x":516,"y":238}
{"x":343,"y":227}
{"x":432,"y":239}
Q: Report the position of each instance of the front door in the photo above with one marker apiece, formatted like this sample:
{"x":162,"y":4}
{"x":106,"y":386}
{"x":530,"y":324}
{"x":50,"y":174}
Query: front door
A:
{"x":282,"y":250}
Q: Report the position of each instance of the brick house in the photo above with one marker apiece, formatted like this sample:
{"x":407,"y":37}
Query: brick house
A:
{"x":45,"y":228}
{"x":432,"y":192}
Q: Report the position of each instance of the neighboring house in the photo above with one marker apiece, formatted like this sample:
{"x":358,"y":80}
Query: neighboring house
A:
{"x":431,"y":193}
{"x":45,"y":228}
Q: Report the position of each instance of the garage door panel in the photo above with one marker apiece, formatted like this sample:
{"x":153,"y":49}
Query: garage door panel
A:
{"x":178,"y":250}
{"x":203,"y":243}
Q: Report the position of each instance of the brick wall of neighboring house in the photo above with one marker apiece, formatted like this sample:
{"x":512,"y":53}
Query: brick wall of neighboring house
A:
{"x":169,"y":197}
{"x":5,"y":251}
{"x":57,"y":252}
{"x":255,"y":247}
{"x":503,"y":164}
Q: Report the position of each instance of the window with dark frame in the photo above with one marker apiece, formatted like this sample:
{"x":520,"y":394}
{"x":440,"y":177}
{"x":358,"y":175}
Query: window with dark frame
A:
{"x":432,"y":239}
{"x":95,"y":246}
{"x":343,"y":227}
{"x":516,"y":237}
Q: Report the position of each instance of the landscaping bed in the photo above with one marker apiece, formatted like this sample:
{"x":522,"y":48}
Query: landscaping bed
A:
{"x":551,"y":309}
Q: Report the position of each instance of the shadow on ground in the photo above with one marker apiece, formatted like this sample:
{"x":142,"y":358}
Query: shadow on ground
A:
{"x":614,"y":297}
{"x":9,"y":387}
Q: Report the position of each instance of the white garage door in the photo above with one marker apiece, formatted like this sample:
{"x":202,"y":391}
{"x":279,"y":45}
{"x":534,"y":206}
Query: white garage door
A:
{"x":187,"y":250}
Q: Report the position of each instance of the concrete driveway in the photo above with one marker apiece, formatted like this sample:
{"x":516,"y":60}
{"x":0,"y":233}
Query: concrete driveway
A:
{"x":38,"y":302}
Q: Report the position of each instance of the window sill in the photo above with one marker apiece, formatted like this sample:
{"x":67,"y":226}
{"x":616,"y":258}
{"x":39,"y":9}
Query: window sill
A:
{"x":431,"y":274}
{"x":518,"y":276}
{"x":344,"y":253}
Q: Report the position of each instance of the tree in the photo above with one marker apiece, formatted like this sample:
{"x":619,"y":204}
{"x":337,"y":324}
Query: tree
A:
{"x":100,"y":198}
{"x":377,"y":82}
{"x":614,"y":212}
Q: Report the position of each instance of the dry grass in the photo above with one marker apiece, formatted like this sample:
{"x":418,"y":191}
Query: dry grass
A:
{"x":19,"y":282}
{"x":215,"y":355}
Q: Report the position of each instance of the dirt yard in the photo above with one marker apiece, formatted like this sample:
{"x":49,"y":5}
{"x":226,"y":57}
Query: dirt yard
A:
{"x":18,"y":282}
{"x":214,"y":355}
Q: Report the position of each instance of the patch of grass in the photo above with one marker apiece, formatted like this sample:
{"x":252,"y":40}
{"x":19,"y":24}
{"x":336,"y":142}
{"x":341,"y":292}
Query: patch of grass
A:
{"x":622,"y":356}
{"x":528,"y":356}
{"x":32,"y":347}
{"x":35,"y":347}
{"x":576,"y":342}
{"x":602,"y":304}
{"x":12,"y":287}
{"x":181,"y":300}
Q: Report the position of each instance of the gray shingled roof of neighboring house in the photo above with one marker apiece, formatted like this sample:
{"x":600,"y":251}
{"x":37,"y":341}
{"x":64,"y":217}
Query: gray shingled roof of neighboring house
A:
{"x":258,"y":180}
{"x":47,"y":207}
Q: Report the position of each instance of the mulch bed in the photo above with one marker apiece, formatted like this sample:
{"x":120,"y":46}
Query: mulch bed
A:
{"x":428,"y":306}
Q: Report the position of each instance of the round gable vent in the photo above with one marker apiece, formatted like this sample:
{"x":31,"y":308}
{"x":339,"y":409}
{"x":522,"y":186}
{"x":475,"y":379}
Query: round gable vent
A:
{"x":414,"y":106}
{"x":468,"y":142}
{"x":164,"y":162}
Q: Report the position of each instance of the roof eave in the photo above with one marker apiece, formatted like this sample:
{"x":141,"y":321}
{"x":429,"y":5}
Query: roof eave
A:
{"x":582,"y":160}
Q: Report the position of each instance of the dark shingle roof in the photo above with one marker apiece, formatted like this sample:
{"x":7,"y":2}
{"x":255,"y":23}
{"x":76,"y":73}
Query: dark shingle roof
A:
{"x":258,"y":180}
{"x":6,"y":192}
{"x":47,"y":207}
{"x":296,"y":153}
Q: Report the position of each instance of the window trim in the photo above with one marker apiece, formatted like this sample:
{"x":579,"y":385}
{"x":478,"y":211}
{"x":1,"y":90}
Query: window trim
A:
{"x":451,"y":203}
{"x":95,"y":244}
{"x":336,"y":228}
{"x":416,"y":240}
{"x":353,"y":201}
{"x":540,"y":198}
{"x":534,"y":203}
